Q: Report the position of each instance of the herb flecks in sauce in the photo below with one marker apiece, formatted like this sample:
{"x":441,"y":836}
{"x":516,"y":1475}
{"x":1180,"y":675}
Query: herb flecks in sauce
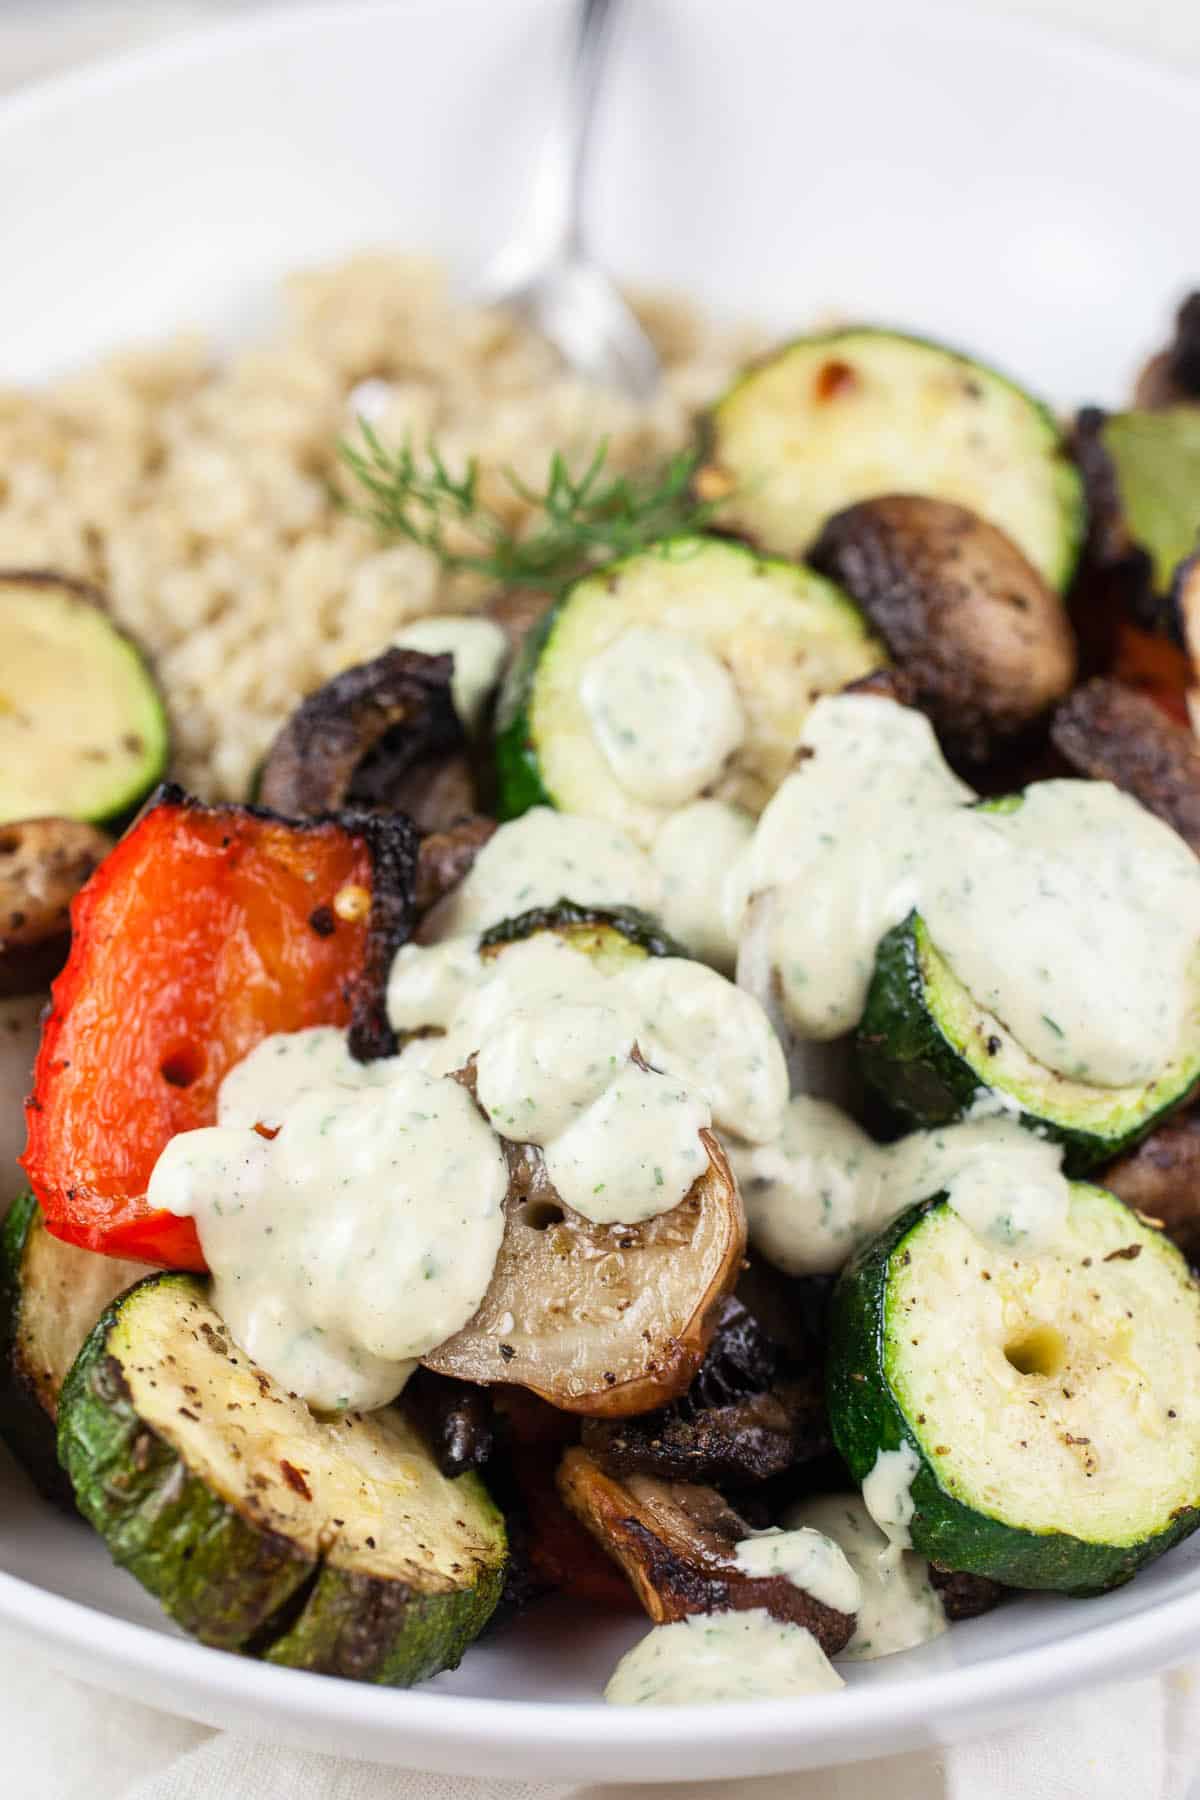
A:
{"x":1073,"y":916}
{"x":711,"y":1658}
{"x":382,"y":1199}
{"x":898,"y":1606}
{"x":822,"y":1186}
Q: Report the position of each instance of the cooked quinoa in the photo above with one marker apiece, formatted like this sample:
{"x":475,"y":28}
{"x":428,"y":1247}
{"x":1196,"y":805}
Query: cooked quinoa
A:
{"x":197,"y":491}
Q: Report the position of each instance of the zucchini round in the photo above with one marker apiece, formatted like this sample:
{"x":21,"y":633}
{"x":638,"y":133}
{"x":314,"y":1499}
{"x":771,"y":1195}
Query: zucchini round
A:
{"x":607,"y":936}
{"x":83,"y":729}
{"x":327,"y":1545}
{"x":51,"y":1295}
{"x":781,"y":634}
{"x":1048,"y":1407}
{"x":850,"y":415}
{"x":933,"y":1053}
{"x":1156,"y":461}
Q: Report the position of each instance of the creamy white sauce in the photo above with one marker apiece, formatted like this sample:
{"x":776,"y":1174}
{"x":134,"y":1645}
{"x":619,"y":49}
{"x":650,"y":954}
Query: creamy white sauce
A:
{"x":664,"y":712}
{"x":887,"y":1494}
{"x":813,"y":1192}
{"x":1073,"y":918}
{"x":703,"y":1028}
{"x":261,"y":1089}
{"x":688,"y":880}
{"x":361,"y":1235}
{"x":1004,"y":1182}
{"x":696,"y":852}
{"x":842,"y":838}
{"x":479,"y":648}
{"x":809,"y":1559}
{"x":542,"y":857}
{"x":822,"y":1186}
{"x":710,"y":1658}
{"x":898,"y":1605}
{"x":621,"y":1143}
{"x":553,"y":1033}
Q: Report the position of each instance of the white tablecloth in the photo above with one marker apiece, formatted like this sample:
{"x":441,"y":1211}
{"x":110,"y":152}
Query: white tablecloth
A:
{"x":62,"y":1741}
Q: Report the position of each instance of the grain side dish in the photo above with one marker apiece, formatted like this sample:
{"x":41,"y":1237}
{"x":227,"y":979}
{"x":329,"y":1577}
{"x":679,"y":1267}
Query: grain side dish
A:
{"x":195,"y":491}
{"x":680,"y":1087}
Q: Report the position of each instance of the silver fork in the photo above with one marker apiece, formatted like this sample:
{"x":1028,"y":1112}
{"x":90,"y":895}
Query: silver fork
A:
{"x":545,"y":273}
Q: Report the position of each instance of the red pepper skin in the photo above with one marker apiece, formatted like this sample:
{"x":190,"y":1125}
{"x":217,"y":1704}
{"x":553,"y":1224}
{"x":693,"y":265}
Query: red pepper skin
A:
{"x":1156,"y":667}
{"x":204,"y":930}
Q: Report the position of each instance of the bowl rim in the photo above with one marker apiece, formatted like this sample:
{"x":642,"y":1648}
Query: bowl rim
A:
{"x":1158,"y":1634}
{"x":128,"y":65}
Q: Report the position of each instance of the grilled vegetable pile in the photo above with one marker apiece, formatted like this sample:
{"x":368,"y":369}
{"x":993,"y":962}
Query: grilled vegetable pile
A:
{"x":608,"y":1119}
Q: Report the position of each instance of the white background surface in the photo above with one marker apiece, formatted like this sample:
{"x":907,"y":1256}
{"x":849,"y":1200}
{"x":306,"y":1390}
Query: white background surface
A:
{"x":57,"y":1742}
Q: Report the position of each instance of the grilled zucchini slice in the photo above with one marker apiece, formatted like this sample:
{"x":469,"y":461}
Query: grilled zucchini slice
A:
{"x":827,"y":421}
{"x":1045,"y":1408}
{"x":932,"y":1052}
{"x":1156,"y":461}
{"x":609,"y":936}
{"x":51,"y":1295}
{"x":83,"y":728}
{"x":328,"y":1545}
{"x":781,"y":635}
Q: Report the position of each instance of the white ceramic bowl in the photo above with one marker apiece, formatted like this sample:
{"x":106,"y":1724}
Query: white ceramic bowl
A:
{"x":972,"y":179}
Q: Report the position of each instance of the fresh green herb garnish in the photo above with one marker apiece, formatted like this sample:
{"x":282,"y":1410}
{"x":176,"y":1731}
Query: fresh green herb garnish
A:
{"x":582,"y":520}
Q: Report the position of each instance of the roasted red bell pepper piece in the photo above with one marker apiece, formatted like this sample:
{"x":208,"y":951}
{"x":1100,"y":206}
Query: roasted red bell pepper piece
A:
{"x":204,"y":930}
{"x":1155,"y":666}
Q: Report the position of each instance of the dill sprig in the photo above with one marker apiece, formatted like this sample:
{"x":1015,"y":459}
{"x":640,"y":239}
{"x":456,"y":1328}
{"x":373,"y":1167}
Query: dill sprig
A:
{"x":579,"y":520}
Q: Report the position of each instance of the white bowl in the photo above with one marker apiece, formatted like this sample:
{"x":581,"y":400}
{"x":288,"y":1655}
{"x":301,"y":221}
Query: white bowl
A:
{"x":972,"y":179}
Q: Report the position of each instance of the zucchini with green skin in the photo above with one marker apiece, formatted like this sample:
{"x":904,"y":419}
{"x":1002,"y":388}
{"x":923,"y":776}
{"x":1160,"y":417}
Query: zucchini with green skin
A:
{"x":83,"y":728}
{"x":782,"y":635}
{"x":1155,"y":458}
{"x":855,"y":414}
{"x":51,"y":1295}
{"x":933,"y":1053}
{"x":1043,"y":1411}
{"x":607,"y":936}
{"x":326,"y":1545}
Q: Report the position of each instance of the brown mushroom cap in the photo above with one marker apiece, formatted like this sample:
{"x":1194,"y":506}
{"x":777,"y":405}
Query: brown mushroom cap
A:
{"x":1172,"y":377}
{"x":43,"y":865}
{"x":604,"y":1320}
{"x":985,"y":642}
{"x":445,"y":857}
{"x":382,"y":735}
{"x":676,"y":1542}
{"x":1161,"y":1178}
{"x":755,"y":1409}
{"x":1112,"y":733}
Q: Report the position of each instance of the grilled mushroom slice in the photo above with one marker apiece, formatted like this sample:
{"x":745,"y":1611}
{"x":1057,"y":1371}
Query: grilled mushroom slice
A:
{"x":745,"y":1418}
{"x":43,"y":864}
{"x":967,"y":618}
{"x":456,"y":1419}
{"x":1172,"y":377}
{"x":963,"y":1595}
{"x":383,"y":735}
{"x":1161,"y":1180}
{"x":446,"y":856}
{"x":676,"y":1542}
{"x":1110,"y":733}
{"x":605,"y":1320}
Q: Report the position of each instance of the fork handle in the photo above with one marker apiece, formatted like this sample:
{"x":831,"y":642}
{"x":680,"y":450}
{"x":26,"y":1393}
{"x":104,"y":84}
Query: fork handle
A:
{"x":562,"y":168}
